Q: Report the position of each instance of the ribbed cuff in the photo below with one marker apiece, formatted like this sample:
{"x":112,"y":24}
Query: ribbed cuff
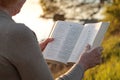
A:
{"x":75,"y":73}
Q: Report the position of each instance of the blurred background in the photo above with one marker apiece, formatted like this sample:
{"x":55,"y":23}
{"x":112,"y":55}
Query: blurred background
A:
{"x":30,"y":15}
{"x":40,"y":15}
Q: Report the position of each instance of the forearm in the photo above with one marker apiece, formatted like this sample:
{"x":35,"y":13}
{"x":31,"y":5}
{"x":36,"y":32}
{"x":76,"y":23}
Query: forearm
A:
{"x":75,"y":73}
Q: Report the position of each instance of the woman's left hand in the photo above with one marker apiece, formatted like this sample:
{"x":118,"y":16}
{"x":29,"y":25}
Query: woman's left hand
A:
{"x":45,"y":42}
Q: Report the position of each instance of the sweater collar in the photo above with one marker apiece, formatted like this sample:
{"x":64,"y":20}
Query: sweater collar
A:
{"x":5,"y":15}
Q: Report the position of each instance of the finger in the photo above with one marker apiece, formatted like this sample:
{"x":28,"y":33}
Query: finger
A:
{"x":98,"y":61}
{"x":88,"y":47}
{"x":98,"y":58}
{"x":50,"y":39}
{"x":97,"y":50}
{"x":100,"y":49}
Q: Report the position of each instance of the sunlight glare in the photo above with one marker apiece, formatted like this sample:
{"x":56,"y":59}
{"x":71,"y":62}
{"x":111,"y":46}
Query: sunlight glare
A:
{"x":30,"y":16}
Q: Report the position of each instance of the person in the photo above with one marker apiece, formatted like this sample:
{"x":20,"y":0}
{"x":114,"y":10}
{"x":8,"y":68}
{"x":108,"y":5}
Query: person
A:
{"x":20,"y":54}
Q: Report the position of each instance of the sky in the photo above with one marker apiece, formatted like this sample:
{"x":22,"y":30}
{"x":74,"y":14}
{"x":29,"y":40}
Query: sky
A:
{"x":30,"y":16}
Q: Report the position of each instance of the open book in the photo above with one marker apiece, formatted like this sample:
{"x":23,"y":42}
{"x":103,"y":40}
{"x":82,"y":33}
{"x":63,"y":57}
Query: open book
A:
{"x":70,"y":39}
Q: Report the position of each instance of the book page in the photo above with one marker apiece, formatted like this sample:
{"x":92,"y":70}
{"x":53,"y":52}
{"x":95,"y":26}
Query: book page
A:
{"x":65,"y":36}
{"x":100,"y":34}
{"x":89,"y":35}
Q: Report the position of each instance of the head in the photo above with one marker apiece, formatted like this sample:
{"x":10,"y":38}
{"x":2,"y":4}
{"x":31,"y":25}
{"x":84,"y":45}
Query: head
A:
{"x":11,"y":6}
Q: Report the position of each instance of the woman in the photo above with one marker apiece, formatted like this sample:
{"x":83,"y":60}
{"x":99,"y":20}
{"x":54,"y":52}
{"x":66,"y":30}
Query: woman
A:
{"x":20,"y":55}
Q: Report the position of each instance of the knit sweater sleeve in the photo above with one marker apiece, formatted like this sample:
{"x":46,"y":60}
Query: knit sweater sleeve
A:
{"x":75,"y":73}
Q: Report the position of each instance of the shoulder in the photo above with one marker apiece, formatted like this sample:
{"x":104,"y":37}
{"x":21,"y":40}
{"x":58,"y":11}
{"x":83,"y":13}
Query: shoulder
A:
{"x":21,"y":32}
{"x":20,"y":29}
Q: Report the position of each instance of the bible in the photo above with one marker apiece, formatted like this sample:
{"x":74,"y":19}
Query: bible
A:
{"x":70,"y":39}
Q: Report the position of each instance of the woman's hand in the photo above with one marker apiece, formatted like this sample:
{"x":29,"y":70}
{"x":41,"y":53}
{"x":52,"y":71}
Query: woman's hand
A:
{"x":90,"y":57}
{"x":44,"y":43}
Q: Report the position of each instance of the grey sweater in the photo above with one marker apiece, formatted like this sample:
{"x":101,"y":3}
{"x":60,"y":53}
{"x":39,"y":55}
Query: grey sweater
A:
{"x":21,"y":57}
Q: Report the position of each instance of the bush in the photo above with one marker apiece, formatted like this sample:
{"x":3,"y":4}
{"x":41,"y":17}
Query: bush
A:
{"x":109,"y":69}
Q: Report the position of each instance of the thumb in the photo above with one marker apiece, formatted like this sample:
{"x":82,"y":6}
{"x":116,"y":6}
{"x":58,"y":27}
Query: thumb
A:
{"x":88,"y":47}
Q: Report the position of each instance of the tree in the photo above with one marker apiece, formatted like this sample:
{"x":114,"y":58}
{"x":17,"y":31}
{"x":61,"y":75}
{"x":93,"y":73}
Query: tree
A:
{"x":71,"y":9}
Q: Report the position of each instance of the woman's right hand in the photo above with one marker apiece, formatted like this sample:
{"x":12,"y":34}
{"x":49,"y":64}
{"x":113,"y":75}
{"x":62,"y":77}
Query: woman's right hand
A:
{"x":90,"y":57}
